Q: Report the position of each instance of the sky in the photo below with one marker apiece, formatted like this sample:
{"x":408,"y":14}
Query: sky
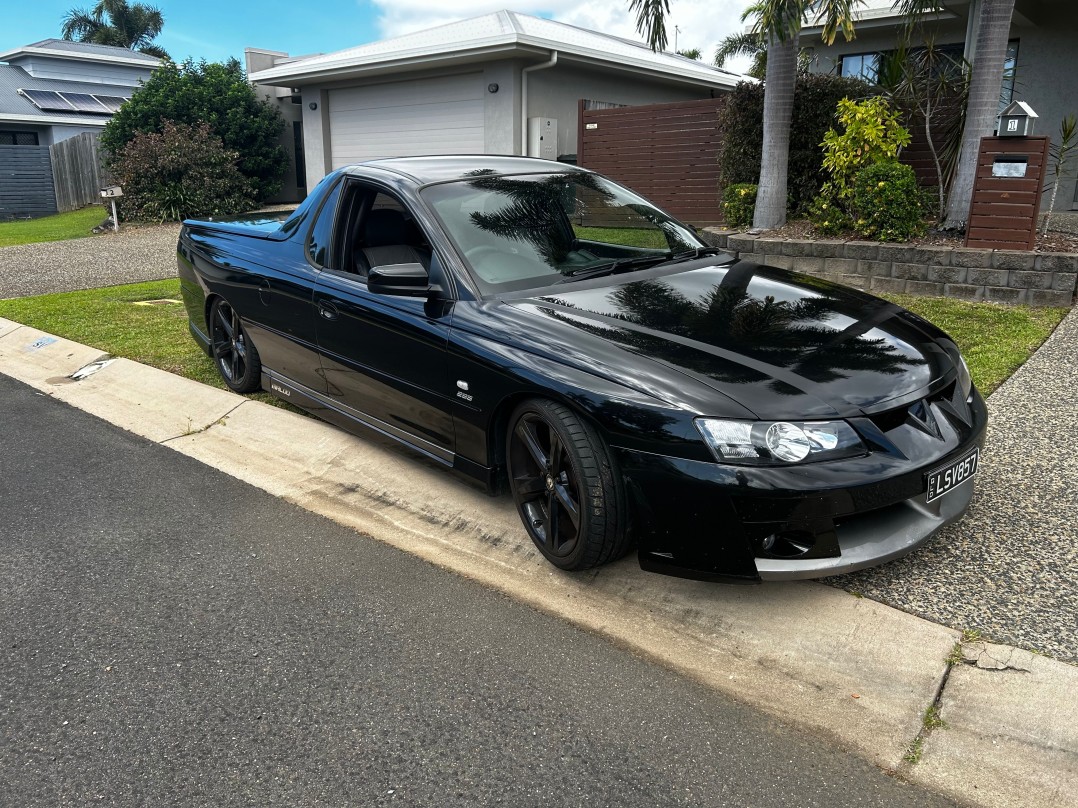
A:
{"x":216,"y":30}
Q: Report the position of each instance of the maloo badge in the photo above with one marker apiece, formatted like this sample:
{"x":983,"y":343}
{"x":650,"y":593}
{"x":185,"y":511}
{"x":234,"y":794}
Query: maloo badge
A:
{"x":282,"y":390}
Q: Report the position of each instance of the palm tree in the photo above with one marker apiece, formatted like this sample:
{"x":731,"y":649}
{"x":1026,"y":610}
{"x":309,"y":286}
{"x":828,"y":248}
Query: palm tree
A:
{"x":745,"y":43}
{"x":115,"y":22}
{"x":993,"y":28}
{"x":779,"y":23}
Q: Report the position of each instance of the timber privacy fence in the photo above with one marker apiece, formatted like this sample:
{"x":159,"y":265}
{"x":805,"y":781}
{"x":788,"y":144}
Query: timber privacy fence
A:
{"x":39,"y":180}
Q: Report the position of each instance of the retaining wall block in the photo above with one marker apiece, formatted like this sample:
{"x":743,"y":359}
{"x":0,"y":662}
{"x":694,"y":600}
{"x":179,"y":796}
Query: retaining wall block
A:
{"x":741,"y":242}
{"x":863,"y":250}
{"x":779,"y":261}
{"x":807,"y":264}
{"x":769,"y":246}
{"x":963,"y":291}
{"x":794,"y":247}
{"x":1065,"y":282}
{"x":901,"y":253}
{"x":823,"y":249}
{"x":1013,"y":259}
{"x":840,"y":266}
{"x":987,"y":277}
{"x":1031,"y":279}
{"x":947,"y":274}
{"x":971,"y":257}
{"x":856,"y":281}
{"x":881,"y":283}
{"x":1046,"y":297}
{"x":872,"y":269}
{"x":911,"y":272}
{"x":1057,"y":262}
{"x":924,"y":288}
{"x":998,"y":294}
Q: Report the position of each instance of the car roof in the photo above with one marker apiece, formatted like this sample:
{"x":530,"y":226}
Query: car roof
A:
{"x":439,"y":168}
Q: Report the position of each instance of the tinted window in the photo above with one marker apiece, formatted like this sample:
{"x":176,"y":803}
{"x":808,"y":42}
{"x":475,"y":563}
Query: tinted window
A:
{"x":318,"y":243}
{"x":519,"y":232}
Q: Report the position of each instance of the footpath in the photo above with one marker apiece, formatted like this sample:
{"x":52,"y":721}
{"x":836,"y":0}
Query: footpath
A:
{"x":990,"y":725}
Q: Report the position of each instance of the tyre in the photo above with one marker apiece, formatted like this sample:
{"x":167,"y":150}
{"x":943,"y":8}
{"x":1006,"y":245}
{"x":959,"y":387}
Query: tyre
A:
{"x":236,"y":358}
{"x":565,"y":487}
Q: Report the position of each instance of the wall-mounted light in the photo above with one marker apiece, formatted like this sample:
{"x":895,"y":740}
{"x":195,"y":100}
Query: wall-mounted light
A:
{"x":492,"y":88}
{"x":312,"y":105}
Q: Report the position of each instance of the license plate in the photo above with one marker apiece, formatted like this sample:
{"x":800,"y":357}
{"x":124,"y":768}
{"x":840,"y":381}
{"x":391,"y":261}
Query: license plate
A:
{"x":952,"y":475}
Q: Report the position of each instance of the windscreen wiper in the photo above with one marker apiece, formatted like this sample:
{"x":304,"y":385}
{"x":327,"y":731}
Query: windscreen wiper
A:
{"x":614,"y":267}
{"x":696,"y":252}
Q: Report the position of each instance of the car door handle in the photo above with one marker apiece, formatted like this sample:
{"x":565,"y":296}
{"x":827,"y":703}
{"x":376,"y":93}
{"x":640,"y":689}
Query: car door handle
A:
{"x":327,"y":311}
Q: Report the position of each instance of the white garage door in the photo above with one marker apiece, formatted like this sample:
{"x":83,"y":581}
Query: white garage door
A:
{"x":425,"y":116}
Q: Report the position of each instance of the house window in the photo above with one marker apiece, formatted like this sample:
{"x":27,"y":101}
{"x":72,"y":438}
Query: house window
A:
{"x":860,"y":66}
{"x":1010,"y":68}
{"x":18,"y":138}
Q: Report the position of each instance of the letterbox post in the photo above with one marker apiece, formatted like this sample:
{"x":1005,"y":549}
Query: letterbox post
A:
{"x":112,"y":192}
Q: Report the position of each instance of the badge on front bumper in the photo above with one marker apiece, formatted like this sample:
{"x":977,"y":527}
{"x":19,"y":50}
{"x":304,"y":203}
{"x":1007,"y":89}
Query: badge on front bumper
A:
{"x":952,"y":475}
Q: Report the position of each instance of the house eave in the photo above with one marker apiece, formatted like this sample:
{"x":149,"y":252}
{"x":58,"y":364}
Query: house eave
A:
{"x":52,"y":120}
{"x":504,"y":46}
{"x":7,"y":56}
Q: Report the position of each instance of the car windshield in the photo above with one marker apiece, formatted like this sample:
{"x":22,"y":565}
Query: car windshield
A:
{"x":530,"y":230}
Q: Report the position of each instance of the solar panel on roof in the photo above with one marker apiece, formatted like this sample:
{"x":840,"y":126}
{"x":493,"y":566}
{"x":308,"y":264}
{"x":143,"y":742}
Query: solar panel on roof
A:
{"x":47,"y":100}
{"x":112,"y":102}
{"x":84,"y":102}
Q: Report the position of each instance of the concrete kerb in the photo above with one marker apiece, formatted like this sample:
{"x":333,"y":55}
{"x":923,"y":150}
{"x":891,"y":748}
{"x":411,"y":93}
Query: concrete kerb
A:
{"x":853,"y":670}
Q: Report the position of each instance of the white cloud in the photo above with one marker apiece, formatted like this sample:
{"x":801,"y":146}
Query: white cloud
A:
{"x":702,"y":23}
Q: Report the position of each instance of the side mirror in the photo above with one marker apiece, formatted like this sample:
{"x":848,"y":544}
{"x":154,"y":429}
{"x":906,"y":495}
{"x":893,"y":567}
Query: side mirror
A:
{"x":402,"y":280}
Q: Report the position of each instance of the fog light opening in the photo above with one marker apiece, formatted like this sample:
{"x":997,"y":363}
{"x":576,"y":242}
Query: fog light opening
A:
{"x":788,"y":544}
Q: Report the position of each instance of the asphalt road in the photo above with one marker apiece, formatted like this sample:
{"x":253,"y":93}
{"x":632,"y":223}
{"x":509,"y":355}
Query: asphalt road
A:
{"x":171,"y":636}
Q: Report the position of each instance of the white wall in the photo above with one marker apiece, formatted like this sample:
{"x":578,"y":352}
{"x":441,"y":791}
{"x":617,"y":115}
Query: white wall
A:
{"x":45,"y":67}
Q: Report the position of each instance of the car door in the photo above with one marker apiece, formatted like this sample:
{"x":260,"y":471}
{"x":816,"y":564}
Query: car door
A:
{"x":384,"y":357}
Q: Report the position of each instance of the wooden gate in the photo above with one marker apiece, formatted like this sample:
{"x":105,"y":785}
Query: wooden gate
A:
{"x":668,"y":153}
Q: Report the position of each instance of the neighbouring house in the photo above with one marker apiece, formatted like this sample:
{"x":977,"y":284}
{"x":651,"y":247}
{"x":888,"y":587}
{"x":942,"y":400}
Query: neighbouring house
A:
{"x":57,"y":95}
{"x":501,"y":83}
{"x":55,"y":89}
{"x":1040,"y":57}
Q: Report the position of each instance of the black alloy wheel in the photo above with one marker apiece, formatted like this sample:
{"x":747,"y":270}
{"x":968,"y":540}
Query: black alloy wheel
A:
{"x":565,"y":488}
{"x":236,"y":358}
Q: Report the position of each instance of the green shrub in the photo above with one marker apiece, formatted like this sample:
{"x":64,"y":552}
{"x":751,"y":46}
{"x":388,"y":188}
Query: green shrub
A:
{"x":870,"y":133}
{"x":742,"y":132}
{"x":886,"y":203}
{"x":738,"y":204}
{"x":182,"y":172}
{"x":207,"y":92}
{"x":827,"y":214}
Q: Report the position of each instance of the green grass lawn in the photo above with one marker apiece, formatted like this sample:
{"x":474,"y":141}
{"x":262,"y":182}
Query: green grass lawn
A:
{"x":624,"y":236}
{"x":108,"y":319}
{"x":60,"y":227}
{"x":995,"y":340}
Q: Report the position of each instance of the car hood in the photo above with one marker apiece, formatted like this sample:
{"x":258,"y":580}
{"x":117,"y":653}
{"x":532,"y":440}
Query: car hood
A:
{"x":779,"y":344}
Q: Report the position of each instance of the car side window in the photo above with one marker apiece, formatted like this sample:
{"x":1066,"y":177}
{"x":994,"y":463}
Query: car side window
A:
{"x":382,"y":233}
{"x":321,"y":236}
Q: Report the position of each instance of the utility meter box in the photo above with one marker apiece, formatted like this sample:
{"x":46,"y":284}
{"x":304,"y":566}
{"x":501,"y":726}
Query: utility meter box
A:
{"x":1017,"y":120}
{"x":543,"y":138}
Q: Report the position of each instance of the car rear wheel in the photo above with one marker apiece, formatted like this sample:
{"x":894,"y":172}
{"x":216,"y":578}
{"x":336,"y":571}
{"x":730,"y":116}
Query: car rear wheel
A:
{"x":565,"y":487}
{"x":236,"y":358}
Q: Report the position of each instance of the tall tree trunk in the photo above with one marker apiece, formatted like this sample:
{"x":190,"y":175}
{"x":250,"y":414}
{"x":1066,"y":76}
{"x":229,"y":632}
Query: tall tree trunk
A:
{"x":993,"y":30}
{"x":778,"y":110}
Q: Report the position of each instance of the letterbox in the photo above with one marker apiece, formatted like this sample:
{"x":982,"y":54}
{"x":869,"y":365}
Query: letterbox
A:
{"x":1017,"y":120}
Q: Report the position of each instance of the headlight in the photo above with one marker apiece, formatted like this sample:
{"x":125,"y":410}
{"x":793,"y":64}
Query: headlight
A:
{"x":778,"y":443}
{"x":965,"y":383}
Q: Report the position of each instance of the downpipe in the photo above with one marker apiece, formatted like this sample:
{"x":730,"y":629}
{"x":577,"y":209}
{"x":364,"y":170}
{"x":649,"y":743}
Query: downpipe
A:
{"x":524,"y":99}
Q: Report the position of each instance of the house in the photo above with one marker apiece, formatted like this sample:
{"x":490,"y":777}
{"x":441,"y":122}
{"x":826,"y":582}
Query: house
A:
{"x":55,"y":89}
{"x":501,"y":83}
{"x":1040,"y":56}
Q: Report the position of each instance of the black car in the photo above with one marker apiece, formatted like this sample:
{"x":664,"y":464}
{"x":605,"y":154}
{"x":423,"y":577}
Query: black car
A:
{"x":553,"y":334}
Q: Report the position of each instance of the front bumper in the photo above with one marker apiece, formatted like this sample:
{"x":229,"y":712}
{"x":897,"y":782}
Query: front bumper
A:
{"x":708,"y":521}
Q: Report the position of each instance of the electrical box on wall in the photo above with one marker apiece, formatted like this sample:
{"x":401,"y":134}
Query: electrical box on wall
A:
{"x":543,"y":138}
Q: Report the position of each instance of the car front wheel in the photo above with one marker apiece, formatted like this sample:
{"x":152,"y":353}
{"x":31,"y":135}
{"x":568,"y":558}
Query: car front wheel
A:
{"x":565,"y":487}
{"x":236,"y":358}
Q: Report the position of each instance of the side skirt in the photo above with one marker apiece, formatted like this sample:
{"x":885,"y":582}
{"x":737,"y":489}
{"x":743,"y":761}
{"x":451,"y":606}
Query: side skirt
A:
{"x":356,"y":422}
